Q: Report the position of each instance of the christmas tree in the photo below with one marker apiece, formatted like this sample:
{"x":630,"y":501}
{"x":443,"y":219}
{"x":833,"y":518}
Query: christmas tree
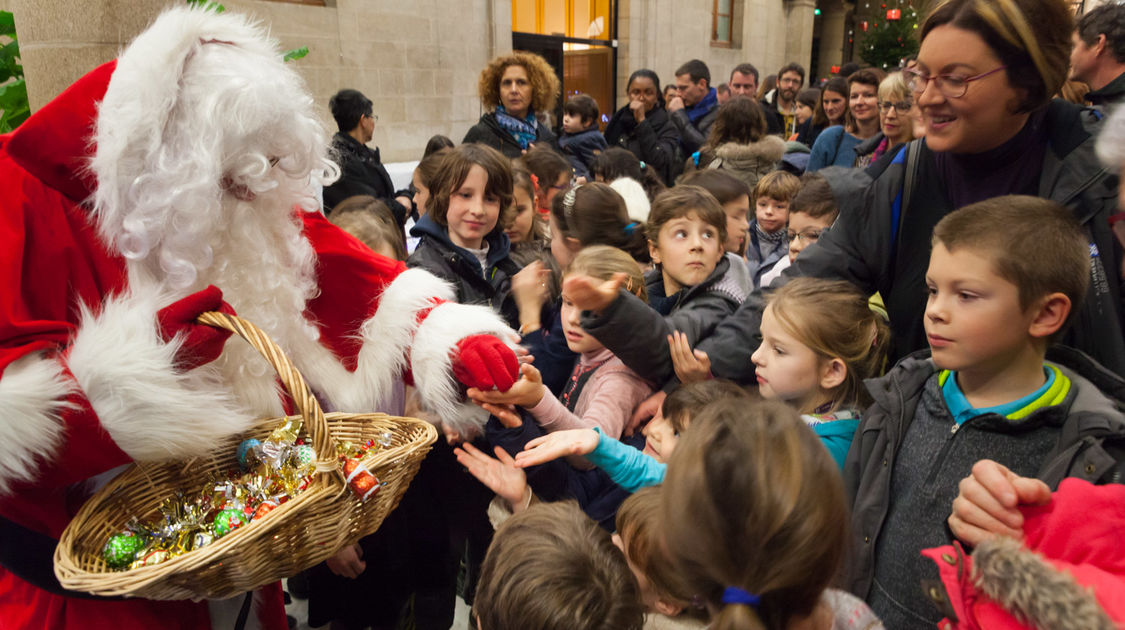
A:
{"x":891,"y":38}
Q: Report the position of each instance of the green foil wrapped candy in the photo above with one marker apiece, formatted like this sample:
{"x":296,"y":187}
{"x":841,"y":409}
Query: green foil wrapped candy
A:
{"x":228,"y":520}
{"x":121,"y":549}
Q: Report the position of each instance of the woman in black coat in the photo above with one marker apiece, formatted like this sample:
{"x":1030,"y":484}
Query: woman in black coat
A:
{"x":514,"y":88}
{"x":645,"y":129}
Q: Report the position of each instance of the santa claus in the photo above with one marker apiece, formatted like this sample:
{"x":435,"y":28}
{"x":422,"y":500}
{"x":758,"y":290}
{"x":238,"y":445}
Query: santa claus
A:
{"x":190,"y":163}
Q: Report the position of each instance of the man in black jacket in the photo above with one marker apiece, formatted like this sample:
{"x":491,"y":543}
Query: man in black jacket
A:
{"x":361,"y":170}
{"x":696,"y":107}
{"x":781,"y":108}
{"x":1098,"y":57}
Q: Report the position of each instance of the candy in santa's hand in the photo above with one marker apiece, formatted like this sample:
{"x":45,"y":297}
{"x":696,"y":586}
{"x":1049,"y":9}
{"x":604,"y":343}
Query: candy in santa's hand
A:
{"x":360,"y":480}
{"x":228,"y":520}
{"x":121,"y":549}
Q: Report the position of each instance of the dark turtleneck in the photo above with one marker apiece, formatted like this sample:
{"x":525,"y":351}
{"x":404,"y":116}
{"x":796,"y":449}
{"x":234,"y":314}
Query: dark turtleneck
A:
{"x":1010,"y":169}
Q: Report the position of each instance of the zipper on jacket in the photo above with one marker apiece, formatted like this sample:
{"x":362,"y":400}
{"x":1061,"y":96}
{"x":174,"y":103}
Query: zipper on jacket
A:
{"x":956,"y":428}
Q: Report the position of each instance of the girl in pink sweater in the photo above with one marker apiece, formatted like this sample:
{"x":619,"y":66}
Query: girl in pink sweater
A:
{"x":601,"y":392}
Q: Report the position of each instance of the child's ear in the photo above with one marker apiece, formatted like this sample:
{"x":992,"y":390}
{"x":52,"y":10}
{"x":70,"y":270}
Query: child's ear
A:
{"x":832,"y":373}
{"x":654,"y":252}
{"x":1050,"y":314}
{"x":572,"y":243}
{"x":667,"y":608}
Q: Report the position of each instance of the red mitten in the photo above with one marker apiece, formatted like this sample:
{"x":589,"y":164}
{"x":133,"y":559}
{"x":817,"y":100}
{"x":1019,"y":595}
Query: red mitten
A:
{"x":202,"y":344}
{"x":484,"y":362}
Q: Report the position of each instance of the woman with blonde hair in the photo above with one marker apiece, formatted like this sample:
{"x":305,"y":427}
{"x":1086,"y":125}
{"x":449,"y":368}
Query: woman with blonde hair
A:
{"x":514,"y":88}
{"x":895,"y":124}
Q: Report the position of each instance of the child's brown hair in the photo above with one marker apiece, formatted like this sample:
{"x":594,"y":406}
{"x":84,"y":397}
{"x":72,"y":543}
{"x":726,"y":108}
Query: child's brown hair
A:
{"x":690,"y":397}
{"x":777,"y":185}
{"x":638,"y":525}
{"x":547,"y":165}
{"x":1003,"y":228}
{"x":552,"y":568}
{"x":584,"y":107}
{"x":594,"y":214}
{"x":721,"y":184}
{"x":454,"y":168}
{"x":521,"y":179}
{"x":603,"y":262}
{"x":371,"y":221}
{"x":752,"y":500}
{"x":815,"y":198}
{"x":833,"y":319}
{"x":681,"y":201}
{"x":427,"y":171}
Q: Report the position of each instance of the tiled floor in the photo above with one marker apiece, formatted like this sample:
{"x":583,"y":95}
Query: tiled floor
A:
{"x":300,"y":610}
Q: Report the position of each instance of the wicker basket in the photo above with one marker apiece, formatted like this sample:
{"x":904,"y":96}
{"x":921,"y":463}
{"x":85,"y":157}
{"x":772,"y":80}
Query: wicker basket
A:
{"x":294,"y":536}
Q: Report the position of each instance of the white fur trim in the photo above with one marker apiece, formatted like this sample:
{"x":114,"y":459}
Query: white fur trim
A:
{"x":33,"y":394}
{"x":432,"y":360}
{"x":636,"y":199}
{"x":387,"y":337}
{"x":150,"y":409}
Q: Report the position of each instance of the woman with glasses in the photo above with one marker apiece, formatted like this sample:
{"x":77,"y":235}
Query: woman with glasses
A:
{"x":514,"y":88}
{"x":896,"y":128}
{"x":836,"y":146}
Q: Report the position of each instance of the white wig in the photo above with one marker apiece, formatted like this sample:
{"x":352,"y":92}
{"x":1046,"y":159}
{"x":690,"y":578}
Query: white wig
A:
{"x":201,"y":108}
{"x":1111,"y":140}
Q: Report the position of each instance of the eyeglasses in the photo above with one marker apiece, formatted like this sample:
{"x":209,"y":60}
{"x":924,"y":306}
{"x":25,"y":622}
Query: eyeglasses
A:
{"x":950,"y":85}
{"x":808,"y":235}
{"x":902,"y":107}
{"x":373,"y":117}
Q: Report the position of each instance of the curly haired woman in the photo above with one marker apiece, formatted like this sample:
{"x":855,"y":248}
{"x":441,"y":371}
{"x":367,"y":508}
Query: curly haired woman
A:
{"x":515,"y":87}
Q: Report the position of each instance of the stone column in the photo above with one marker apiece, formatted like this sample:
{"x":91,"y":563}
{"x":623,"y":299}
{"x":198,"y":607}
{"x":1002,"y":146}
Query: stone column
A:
{"x":799,"y":31}
{"x":61,"y":40}
{"x":833,"y":34}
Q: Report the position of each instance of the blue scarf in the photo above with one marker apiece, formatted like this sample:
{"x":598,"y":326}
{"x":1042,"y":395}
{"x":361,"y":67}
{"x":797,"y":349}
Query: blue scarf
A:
{"x":524,"y":131}
{"x":700,"y":109}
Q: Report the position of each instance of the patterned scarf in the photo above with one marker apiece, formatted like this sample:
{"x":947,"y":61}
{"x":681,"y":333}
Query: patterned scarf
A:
{"x":524,"y":131}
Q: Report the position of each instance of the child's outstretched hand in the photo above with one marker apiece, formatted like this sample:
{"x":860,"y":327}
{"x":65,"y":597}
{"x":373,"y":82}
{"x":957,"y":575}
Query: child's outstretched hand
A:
{"x":691,"y":366}
{"x":591,"y":294}
{"x":558,"y":444}
{"x":529,"y":289}
{"x":506,"y":414}
{"x":499,"y":474}
{"x":526,"y":392}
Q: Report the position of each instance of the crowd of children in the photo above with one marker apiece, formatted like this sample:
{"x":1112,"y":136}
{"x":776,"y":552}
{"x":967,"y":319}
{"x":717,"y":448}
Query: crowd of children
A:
{"x":711,"y":375}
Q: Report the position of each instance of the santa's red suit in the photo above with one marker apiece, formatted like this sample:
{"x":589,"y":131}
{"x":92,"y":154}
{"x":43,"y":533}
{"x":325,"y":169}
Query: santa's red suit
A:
{"x":186,"y":163}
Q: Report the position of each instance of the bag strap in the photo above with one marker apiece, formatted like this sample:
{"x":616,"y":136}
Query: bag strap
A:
{"x":913,"y":155}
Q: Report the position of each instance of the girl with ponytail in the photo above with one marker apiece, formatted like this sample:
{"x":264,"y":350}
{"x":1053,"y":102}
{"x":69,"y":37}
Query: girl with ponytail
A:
{"x":754,"y":519}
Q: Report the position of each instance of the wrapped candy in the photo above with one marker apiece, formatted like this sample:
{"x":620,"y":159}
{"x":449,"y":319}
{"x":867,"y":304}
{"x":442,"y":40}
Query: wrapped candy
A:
{"x":244,"y":451}
{"x":228,"y":520}
{"x":263,"y":508}
{"x":121,"y":549}
{"x":360,"y":480}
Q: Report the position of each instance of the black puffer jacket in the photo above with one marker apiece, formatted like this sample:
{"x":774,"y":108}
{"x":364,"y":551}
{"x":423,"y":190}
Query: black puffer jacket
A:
{"x":489,"y":132}
{"x":438,"y":255}
{"x":655,"y":141}
{"x":361,"y":173}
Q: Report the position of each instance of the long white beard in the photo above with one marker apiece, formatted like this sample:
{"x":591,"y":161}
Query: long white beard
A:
{"x":266,"y":269}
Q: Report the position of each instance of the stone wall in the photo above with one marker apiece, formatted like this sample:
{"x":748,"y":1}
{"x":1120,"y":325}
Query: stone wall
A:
{"x":418,"y":60}
{"x":662,"y":34}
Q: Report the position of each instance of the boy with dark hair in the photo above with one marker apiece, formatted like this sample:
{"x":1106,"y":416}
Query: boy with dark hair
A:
{"x":985,"y":392}
{"x":552,"y":568}
{"x":361,"y":169}
{"x":811,"y":212}
{"x":581,"y":141}
{"x":695,"y":108}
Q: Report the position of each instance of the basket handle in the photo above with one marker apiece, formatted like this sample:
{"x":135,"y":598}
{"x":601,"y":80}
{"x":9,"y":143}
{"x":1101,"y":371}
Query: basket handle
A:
{"x":291,"y":380}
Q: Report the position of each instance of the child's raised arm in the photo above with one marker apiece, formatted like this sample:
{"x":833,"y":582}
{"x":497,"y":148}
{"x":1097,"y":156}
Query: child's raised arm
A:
{"x":626,"y":466}
{"x":499,"y":474}
{"x":591,"y":294}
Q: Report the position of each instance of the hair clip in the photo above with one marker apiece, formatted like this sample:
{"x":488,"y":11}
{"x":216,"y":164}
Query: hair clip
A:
{"x":632,"y":227}
{"x":643,"y":165}
{"x":735,"y":595}
{"x":534,"y":181}
{"x":568,"y":201}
